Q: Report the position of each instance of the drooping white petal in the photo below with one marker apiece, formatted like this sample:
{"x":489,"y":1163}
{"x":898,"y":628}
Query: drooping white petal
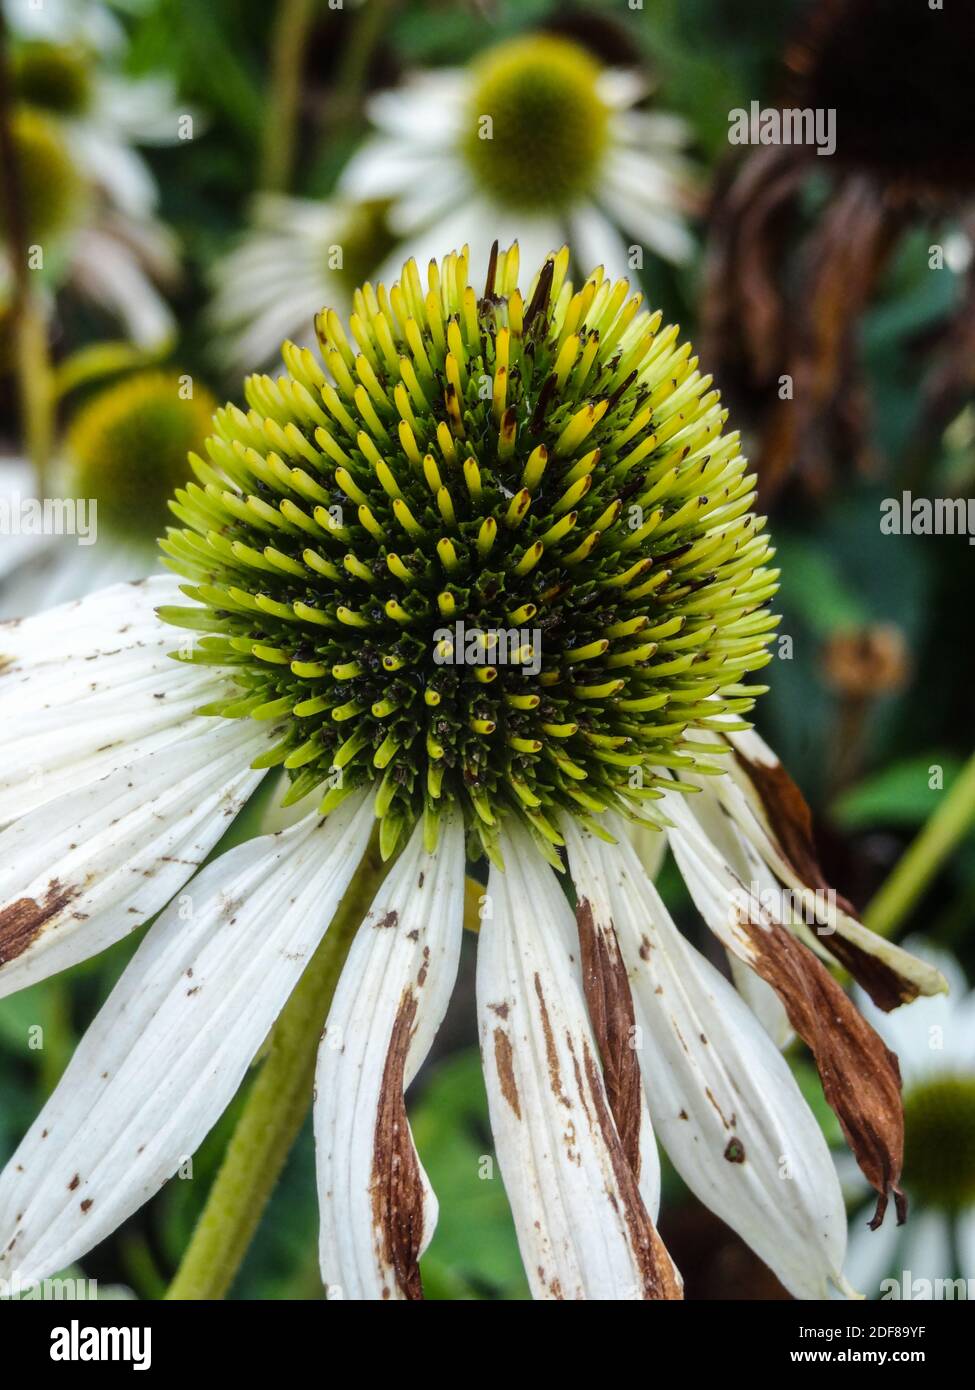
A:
{"x":760,"y":884}
{"x":583,"y":1228}
{"x":378,"y":1211}
{"x":173,"y":1042}
{"x":107,"y":713}
{"x":860,"y":1075}
{"x":428,"y":108}
{"x":82,"y":871}
{"x":724,"y":1103}
{"x":770,"y":812}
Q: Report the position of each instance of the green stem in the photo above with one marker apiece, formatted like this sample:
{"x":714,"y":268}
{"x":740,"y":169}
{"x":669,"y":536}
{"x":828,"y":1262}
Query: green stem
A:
{"x":287,"y":53}
{"x":35,"y":380}
{"x":925,"y":855}
{"x":275,"y":1108}
{"x":353,"y":73}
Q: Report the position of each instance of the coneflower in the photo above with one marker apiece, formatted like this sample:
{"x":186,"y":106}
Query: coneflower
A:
{"x":355,"y":554}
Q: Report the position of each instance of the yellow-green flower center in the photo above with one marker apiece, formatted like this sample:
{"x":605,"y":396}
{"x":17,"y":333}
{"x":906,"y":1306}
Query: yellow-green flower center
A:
{"x":536,"y":127}
{"x":127,"y":447}
{"x":939,"y":1150}
{"x":492,"y":549}
{"x":49,"y":185}
{"x":53,"y":76}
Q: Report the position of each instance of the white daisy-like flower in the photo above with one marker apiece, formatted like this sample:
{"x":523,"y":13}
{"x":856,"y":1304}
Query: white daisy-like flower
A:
{"x":535,"y":142}
{"x":298,"y":254}
{"x":339,"y":531}
{"x":935,"y":1041}
{"x":100,"y":234}
{"x":123,"y":454}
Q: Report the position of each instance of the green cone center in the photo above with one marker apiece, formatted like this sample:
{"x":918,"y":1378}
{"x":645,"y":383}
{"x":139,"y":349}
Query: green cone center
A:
{"x":536,"y":128}
{"x":939,"y":1147}
{"x":127,"y":448}
{"x":53,"y":76}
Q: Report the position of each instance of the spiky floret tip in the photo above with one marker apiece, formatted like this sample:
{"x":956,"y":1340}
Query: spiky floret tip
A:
{"x":492,"y":549}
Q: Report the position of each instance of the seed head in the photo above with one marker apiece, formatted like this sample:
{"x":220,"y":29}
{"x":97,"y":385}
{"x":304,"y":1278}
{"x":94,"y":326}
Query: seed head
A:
{"x":549,"y":465}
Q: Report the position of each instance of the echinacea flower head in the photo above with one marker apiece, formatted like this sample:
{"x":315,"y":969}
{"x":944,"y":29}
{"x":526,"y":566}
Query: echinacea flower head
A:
{"x":458,"y":463}
{"x":534,"y":135}
{"x":936,"y":1042}
{"x":127,"y":447}
{"x":523,"y":506}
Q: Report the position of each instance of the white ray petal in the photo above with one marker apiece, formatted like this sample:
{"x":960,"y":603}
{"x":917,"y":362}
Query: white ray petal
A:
{"x":596,"y":241}
{"x":112,"y":275}
{"x":378,"y":1211}
{"x":387,"y":168}
{"x":172,"y":1044}
{"x":724,"y":1103}
{"x":122,"y":616}
{"x":83,"y":871}
{"x":926,"y":1247}
{"x":425,"y":110}
{"x":965,"y":1241}
{"x":582,"y":1226}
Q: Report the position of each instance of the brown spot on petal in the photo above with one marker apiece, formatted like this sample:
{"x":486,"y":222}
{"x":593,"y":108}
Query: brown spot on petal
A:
{"x":396,"y":1188}
{"x":860,"y":1075}
{"x":551,"y":1053}
{"x":607,"y":991}
{"x":504,"y":1062}
{"x":23,"y":921}
{"x":789,"y":824}
{"x":657,"y":1274}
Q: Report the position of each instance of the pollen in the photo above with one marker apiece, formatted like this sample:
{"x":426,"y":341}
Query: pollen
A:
{"x":489,"y":548}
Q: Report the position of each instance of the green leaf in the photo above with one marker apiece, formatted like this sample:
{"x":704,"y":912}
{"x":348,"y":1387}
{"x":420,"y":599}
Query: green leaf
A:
{"x":898,"y":795}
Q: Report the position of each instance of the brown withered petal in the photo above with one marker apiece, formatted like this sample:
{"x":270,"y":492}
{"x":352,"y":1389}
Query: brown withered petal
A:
{"x":860,"y":1075}
{"x":784,"y":296}
{"x":397,"y":1188}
